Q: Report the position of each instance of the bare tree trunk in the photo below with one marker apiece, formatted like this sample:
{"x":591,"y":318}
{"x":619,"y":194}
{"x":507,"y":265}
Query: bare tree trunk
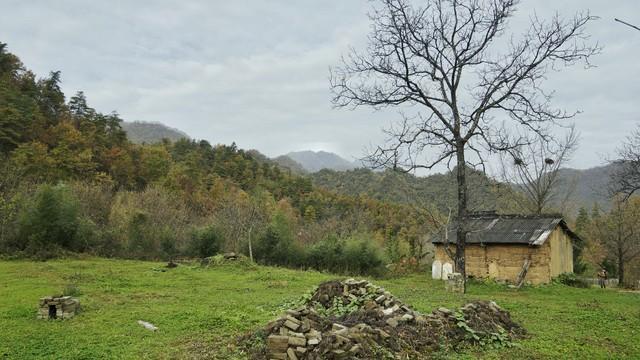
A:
{"x":461,"y":231}
{"x":620,"y":266}
{"x":250,"y":248}
{"x":619,"y":247}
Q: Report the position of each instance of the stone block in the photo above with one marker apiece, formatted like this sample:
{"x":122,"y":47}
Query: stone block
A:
{"x":292,"y":354}
{"x":291,"y":325}
{"x":340,"y":354}
{"x":393,"y":322}
{"x":444,"y":310}
{"x":292,"y":319}
{"x":313,"y":334}
{"x":387,"y":312}
{"x":297,"y":341}
{"x":277,"y":344}
{"x":338,"y":327}
{"x":295,"y":334}
{"x":406,"y":317}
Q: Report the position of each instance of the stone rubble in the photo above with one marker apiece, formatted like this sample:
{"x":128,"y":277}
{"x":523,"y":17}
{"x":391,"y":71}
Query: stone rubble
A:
{"x":377,"y":320}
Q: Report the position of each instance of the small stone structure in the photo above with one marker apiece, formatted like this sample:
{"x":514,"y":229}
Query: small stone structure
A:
{"x":58,"y":307}
{"x":455,"y":283}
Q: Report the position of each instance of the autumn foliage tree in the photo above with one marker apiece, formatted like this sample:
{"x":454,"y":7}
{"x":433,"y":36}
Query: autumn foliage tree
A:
{"x":617,"y":235}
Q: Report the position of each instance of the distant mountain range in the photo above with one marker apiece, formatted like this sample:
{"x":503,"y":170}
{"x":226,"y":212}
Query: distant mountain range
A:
{"x":313,"y":161}
{"x":151,"y":132}
{"x":438,"y":190}
{"x":329,"y":170}
{"x":581,"y":188}
{"x":587,"y":187}
{"x":287,"y":162}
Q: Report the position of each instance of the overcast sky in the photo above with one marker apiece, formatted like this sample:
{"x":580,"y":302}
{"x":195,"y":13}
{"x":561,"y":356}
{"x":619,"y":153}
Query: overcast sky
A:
{"x":256,"y":72}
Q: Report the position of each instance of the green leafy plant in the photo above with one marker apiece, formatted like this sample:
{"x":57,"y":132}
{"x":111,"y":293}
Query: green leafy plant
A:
{"x":570,"y":279}
{"x":71,"y":289}
{"x":495,"y":340}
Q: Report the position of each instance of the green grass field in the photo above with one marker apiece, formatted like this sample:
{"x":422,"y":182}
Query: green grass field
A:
{"x":199,"y":311}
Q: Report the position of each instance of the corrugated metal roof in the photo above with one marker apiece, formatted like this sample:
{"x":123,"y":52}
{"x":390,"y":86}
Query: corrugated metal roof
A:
{"x":508,"y":229}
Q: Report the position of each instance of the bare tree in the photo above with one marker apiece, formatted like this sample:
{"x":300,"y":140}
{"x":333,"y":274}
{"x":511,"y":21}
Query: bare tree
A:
{"x":440,"y":59}
{"x":240,"y":216}
{"x":434,"y":223}
{"x":626,"y":178}
{"x":534,"y":167}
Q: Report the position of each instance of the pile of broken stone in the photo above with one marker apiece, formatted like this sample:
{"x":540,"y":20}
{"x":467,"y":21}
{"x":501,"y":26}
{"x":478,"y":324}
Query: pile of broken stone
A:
{"x":357,"y":319}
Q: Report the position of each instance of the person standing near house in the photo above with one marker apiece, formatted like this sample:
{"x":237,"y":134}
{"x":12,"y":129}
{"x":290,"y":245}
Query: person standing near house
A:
{"x":602,"y":278}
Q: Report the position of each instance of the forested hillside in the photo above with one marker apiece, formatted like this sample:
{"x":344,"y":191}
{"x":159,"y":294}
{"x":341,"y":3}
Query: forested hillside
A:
{"x":290,"y":164}
{"x":140,"y":132}
{"x":71,"y":180}
{"x":582,"y":188}
{"x":587,"y":187}
{"x":439,"y":189}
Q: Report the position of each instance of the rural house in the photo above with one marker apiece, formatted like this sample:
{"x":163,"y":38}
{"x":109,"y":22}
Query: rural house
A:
{"x":512,"y":248}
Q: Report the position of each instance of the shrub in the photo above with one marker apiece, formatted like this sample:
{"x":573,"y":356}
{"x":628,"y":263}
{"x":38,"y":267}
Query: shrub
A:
{"x":109,"y":246}
{"x":326,"y":255}
{"x":88,"y":235}
{"x":168,"y":244}
{"x":353,"y":256}
{"x":95,"y":200}
{"x":362,"y":256}
{"x":276,"y":246}
{"x":140,"y":222}
{"x":10,"y":206}
{"x":205,"y":242}
{"x":570,"y":279}
{"x":49,"y":221}
{"x":140,"y":235}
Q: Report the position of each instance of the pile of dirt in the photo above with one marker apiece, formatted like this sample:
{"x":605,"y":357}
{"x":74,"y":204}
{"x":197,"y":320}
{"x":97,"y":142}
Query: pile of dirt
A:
{"x":355,"y":319}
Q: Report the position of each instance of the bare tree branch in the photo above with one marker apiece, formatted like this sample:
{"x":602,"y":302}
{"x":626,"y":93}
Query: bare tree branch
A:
{"x":626,"y":178}
{"x":535,"y":167}
{"x":626,"y":23}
